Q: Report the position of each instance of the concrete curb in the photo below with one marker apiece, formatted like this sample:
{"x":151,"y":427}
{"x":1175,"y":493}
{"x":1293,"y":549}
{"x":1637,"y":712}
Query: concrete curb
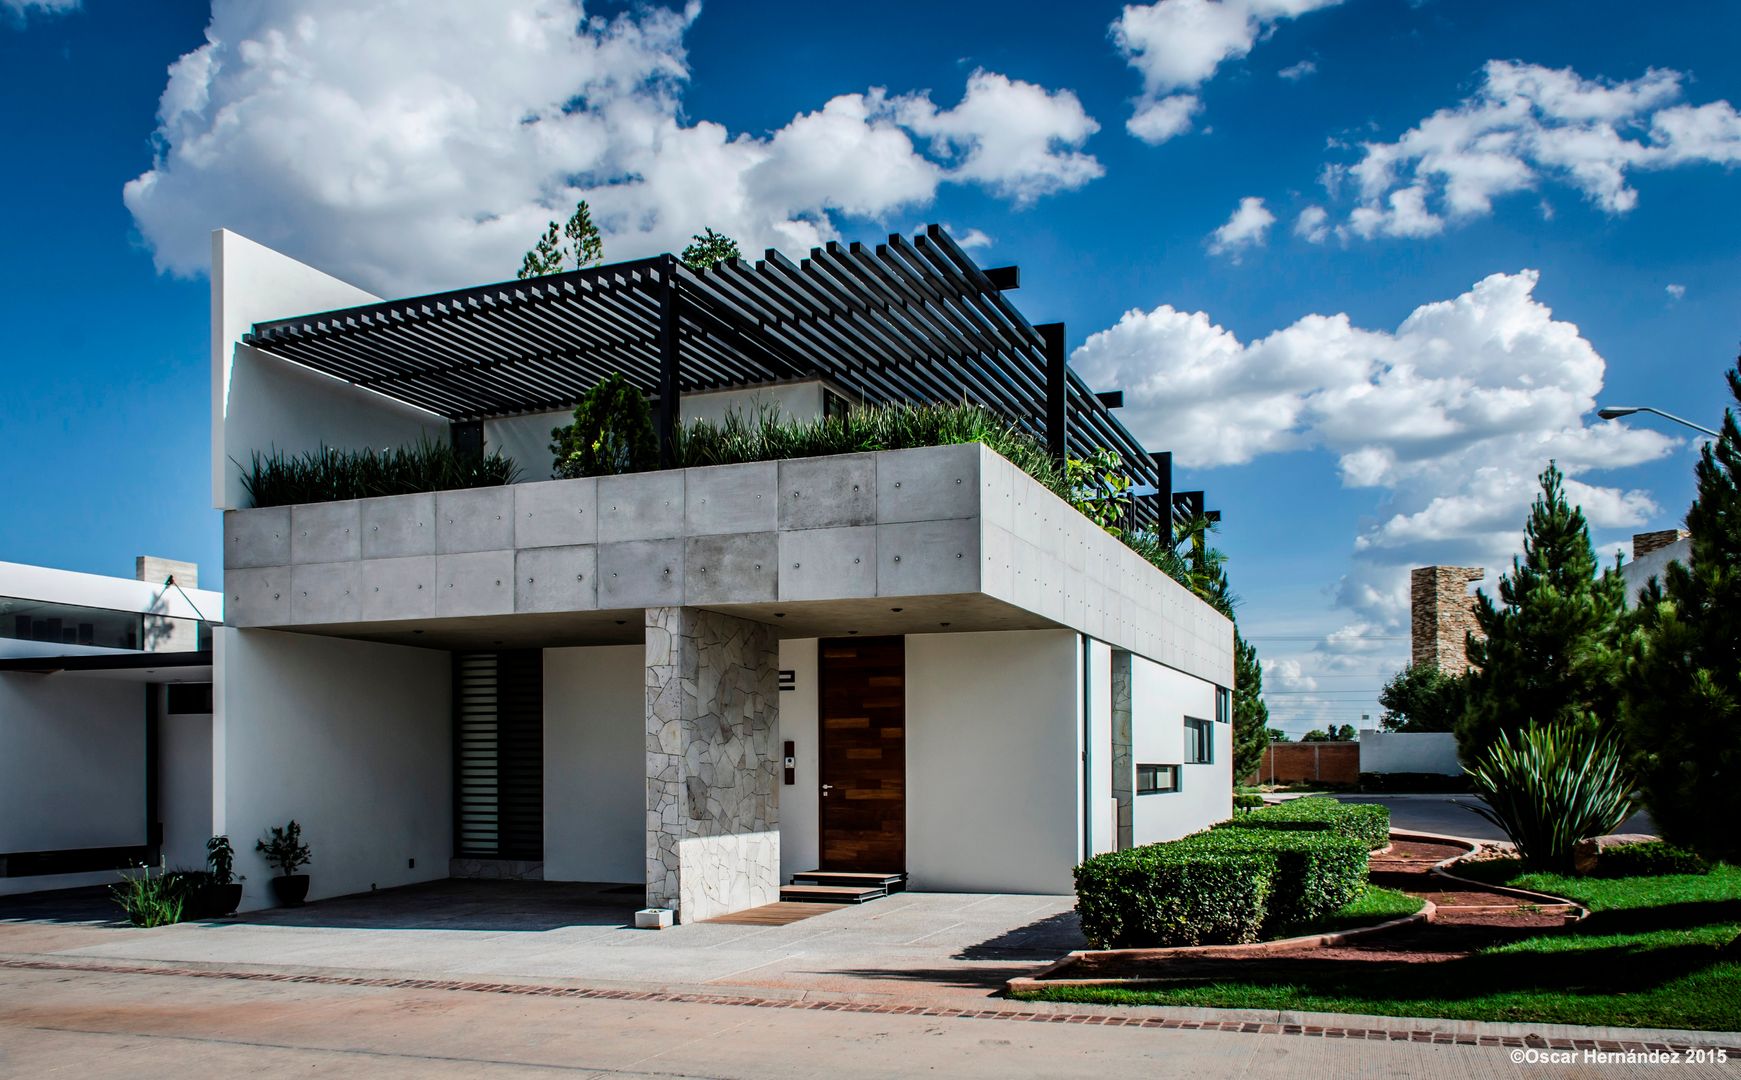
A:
{"x":1439,"y":869}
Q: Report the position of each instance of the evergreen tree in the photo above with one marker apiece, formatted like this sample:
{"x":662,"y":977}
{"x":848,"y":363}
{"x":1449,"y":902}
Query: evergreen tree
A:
{"x":1251,"y":732}
{"x":1421,"y":698}
{"x":1550,"y":650}
{"x":709,"y":249}
{"x":585,"y":247}
{"x":1683,"y":692}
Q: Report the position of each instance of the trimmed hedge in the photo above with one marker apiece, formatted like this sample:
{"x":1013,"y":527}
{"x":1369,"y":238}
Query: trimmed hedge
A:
{"x":1163,"y":895}
{"x":1359,"y":821}
{"x":1316,"y":871}
{"x":1223,"y":886}
{"x":1649,"y":858}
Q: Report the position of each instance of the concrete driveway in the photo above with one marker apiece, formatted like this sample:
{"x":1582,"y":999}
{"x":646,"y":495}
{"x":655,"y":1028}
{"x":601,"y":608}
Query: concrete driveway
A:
{"x":929,"y":946}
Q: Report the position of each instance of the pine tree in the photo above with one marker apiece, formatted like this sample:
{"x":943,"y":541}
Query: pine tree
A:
{"x":1550,"y":650}
{"x":1683,"y":691}
{"x":550,"y":255}
{"x":1251,"y":734}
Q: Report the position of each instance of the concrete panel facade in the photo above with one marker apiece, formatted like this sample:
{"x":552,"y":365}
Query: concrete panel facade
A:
{"x":954,"y":524}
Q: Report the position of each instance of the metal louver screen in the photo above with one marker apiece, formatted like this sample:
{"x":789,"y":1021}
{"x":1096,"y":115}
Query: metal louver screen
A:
{"x":499,"y":755}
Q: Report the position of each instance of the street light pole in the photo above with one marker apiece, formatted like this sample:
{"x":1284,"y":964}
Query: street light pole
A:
{"x":1615,"y":412}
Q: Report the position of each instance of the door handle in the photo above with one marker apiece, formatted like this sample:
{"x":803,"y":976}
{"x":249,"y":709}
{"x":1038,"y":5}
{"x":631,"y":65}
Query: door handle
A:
{"x":826,"y":788}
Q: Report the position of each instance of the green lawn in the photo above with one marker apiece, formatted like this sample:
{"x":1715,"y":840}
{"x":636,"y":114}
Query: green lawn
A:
{"x":1655,"y":952}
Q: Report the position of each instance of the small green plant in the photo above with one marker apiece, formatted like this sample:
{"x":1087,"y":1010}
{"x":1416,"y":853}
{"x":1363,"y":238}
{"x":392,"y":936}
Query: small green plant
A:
{"x":612,"y":433}
{"x":1245,"y":803}
{"x":150,"y":899}
{"x":1099,"y":489}
{"x":284,"y":849}
{"x":708,"y":249}
{"x":1550,"y":786}
{"x":220,"y":860}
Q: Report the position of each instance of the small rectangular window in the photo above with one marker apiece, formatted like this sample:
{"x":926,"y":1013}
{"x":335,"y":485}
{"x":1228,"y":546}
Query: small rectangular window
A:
{"x":1223,"y":705}
{"x":1199,"y":742}
{"x":1156,"y":779}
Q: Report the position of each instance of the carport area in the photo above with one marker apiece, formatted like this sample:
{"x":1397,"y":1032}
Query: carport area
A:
{"x":907,"y":947}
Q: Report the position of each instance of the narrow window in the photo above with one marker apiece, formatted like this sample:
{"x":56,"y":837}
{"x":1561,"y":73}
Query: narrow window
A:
{"x":1199,"y":742}
{"x":1156,"y":779}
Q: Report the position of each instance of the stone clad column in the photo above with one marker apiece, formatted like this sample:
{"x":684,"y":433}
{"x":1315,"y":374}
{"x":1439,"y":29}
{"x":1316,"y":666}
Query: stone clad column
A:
{"x":1123,"y":763}
{"x":713,"y":818}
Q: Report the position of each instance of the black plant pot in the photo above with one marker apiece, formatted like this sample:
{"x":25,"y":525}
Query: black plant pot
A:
{"x":290,"y":891}
{"x":225,"y":899}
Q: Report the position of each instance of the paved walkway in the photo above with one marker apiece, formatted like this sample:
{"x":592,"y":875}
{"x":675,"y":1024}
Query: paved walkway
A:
{"x":141,"y":1025}
{"x":1451,"y":815}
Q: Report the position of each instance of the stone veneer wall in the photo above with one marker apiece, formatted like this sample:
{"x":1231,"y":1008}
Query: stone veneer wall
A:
{"x":713,"y":818}
{"x":1645,"y":543}
{"x":1123,"y":757}
{"x":1442,"y":615}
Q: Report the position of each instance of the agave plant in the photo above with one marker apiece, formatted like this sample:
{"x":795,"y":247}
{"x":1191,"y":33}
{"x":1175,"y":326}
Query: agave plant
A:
{"x":1550,"y":786}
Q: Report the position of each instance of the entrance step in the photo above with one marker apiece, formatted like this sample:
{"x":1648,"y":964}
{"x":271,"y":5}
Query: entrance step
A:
{"x":830,"y":894}
{"x":889,"y":883}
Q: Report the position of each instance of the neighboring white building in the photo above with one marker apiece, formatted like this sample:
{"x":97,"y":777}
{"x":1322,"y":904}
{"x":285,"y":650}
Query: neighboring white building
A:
{"x":706,"y":680}
{"x":105,"y":722}
{"x":1651,"y":554}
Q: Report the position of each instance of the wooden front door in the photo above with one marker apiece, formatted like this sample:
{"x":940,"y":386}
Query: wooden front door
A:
{"x":863,"y":690}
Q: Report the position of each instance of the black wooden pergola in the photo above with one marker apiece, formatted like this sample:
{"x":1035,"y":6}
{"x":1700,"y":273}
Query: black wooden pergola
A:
{"x":908,"y":320}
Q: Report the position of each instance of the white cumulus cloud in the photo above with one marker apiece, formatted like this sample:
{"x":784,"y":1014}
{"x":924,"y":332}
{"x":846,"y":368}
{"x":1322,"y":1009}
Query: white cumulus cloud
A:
{"x":1527,"y":125}
{"x":1313,"y":224}
{"x":1296,"y":72}
{"x":22,"y":8}
{"x":1247,"y":227}
{"x":1178,"y":45}
{"x":434,"y":162}
{"x":1449,"y":417}
{"x":1676,"y":292}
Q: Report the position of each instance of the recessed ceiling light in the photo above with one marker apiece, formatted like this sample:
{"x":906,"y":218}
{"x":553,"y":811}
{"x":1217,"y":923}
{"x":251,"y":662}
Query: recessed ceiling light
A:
{"x":895,"y":609}
{"x":942,"y":624}
{"x":852,"y":631}
{"x":621,"y":621}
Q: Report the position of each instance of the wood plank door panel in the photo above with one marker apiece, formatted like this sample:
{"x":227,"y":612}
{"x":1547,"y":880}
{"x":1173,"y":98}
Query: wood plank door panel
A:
{"x":863,"y":752}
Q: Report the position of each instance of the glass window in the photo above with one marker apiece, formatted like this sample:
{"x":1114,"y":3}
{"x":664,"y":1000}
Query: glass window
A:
{"x":1223,"y":705}
{"x":1199,"y":742}
{"x":1156,"y":779}
{"x":68,"y":624}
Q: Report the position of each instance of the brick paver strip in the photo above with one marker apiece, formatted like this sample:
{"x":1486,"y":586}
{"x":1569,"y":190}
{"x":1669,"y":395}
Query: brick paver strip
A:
{"x":693,"y":998}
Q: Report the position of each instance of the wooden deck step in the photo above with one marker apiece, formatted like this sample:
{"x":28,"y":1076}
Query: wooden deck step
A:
{"x":831,"y":894}
{"x":887,"y":882}
{"x":781,"y":914}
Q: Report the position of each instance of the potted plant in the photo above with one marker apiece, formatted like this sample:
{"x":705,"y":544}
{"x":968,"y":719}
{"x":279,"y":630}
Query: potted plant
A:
{"x":285,"y":851}
{"x":223,"y":892}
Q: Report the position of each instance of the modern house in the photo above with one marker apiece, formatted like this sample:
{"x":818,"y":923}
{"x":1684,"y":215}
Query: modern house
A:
{"x":105,"y":722}
{"x":915,"y":664}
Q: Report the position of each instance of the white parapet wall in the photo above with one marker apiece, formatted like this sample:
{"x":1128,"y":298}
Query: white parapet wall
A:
{"x":1427,"y":752}
{"x":352,"y":739}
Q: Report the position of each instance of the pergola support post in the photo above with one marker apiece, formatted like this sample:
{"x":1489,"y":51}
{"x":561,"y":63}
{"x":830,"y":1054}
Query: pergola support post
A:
{"x":670,"y":320}
{"x":1057,"y":391}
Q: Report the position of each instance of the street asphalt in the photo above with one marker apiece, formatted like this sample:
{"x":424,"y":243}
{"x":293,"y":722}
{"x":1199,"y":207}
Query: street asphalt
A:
{"x":1453,"y":815}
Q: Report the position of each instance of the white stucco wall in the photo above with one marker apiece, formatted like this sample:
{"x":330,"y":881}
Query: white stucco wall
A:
{"x":595,"y":758}
{"x":795,"y":401}
{"x":72,"y":769}
{"x":260,"y":402}
{"x":1409,"y":752}
{"x":1161,"y":698}
{"x":184,"y":787}
{"x":993,"y":774}
{"x":800,"y":813}
{"x":353,"y":739}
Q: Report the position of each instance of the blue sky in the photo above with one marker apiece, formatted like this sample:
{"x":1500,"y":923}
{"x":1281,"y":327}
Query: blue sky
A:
{"x":414,"y":146}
